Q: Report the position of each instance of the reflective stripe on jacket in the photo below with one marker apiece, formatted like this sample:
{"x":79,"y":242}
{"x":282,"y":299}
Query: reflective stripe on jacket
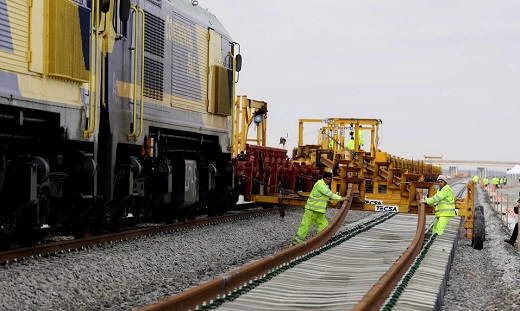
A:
{"x":320,"y":196}
{"x":444,"y":202}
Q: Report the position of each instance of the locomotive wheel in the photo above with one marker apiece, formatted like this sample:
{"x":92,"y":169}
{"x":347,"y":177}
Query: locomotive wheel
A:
{"x":80,"y":230}
{"x":478,"y":234}
{"x":211,"y":207}
{"x":27,"y":239}
{"x":97,"y":228}
{"x":223,"y":205}
{"x":180,"y":215}
{"x":191,"y":214}
{"x":211,"y":212}
{"x":3,"y":167}
{"x":6,"y":242}
{"x":117,"y":225}
{"x":169,"y":218}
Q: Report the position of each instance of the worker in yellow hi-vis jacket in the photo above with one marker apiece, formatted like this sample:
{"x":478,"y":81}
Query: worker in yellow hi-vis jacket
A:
{"x":316,"y":207}
{"x":444,"y":205}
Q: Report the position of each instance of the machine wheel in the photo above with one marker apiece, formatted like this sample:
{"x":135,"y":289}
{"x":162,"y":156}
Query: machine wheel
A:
{"x":480,"y":216}
{"x":479,"y":232}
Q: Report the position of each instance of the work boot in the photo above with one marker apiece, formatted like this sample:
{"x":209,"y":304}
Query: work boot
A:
{"x":508,"y":241}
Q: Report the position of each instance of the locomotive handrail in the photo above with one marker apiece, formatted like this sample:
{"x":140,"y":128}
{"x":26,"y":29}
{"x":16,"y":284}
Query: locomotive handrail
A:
{"x":93,"y":91}
{"x":137,"y":12}
{"x":141,"y":95}
{"x":233,"y":106}
{"x":134,"y":115}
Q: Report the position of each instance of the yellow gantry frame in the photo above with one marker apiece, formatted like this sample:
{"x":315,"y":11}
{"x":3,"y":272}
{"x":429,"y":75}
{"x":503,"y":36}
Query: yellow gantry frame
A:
{"x":244,"y":111}
{"x":341,"y":124}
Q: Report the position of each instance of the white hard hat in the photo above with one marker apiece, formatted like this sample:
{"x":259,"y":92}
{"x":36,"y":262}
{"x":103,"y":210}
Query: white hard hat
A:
{"x":442,"y":177}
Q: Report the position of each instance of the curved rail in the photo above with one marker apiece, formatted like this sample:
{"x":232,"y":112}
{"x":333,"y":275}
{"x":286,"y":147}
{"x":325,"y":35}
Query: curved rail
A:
{"x":237,"y":282}
{"x":375,"y":298}
{"x":221,"y":285}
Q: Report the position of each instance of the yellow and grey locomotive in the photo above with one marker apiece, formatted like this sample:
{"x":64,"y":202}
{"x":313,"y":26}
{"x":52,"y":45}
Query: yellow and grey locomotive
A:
{"x":110,"y":108}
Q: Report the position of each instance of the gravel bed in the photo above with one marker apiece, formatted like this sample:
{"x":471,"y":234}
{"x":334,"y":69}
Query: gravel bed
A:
{"x":125,"y":275}
{"x":485,"y":279}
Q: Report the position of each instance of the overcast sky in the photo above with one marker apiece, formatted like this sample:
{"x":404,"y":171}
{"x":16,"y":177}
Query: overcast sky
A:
{"x":443,"y":76}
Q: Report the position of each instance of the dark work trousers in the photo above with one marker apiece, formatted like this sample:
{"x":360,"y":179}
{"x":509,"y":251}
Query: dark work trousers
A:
{"x":515,"y":233}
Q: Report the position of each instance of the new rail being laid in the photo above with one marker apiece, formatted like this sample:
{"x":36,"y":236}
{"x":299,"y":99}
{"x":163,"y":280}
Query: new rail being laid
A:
{"x":231,"y":283}
{"x":363,"y":274}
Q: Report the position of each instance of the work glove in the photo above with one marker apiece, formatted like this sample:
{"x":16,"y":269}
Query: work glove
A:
{"x":344,"y":198}
{"x":423,"y":200}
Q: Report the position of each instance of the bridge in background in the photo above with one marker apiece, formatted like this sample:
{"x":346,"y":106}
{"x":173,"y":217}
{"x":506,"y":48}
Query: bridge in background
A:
{"x":481,"y":167}
{"x":472,"y":163}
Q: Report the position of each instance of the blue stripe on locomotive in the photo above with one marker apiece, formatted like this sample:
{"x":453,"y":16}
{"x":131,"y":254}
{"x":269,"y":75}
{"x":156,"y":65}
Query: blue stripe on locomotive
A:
{"x":84,"y":24}
{"x":6,"y":40}
{"x":9,"y":84}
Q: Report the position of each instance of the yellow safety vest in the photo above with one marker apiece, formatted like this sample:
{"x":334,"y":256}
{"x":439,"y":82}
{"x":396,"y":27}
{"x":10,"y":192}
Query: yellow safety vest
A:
{"x":444,"y":202}
{"x":320,"y":196}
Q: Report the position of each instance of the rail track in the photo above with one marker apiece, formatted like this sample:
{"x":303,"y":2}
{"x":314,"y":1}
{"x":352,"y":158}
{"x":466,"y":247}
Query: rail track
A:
{"x":384,"y":263}
{"x":59,"y":247}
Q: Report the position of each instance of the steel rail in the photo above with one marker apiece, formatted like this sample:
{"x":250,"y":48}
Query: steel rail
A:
{"x":378,"y":294}
{"x":222,"y":285}
{"x":62,"y":246}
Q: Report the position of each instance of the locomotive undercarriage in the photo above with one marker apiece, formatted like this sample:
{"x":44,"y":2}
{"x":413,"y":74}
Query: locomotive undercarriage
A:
{"x":45,"y":178}
{"x":173,"y":176}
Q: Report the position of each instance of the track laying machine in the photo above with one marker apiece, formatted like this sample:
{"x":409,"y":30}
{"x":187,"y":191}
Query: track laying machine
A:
{"x":381,"y":181}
